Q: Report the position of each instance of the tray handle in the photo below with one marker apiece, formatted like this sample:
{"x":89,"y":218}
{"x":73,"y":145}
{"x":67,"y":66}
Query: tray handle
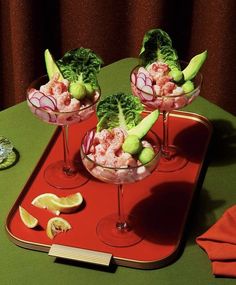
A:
{"x":79,"y":254}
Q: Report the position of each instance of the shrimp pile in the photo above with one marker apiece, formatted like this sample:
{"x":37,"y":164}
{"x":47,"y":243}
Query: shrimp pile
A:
{"x":156,"y":89}
{"x":120,"y":167}
{"x":107,"y":149}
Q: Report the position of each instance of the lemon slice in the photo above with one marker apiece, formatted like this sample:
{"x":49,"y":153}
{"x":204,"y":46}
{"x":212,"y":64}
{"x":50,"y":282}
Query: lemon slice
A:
{"x":57,"y":225}
{"x":69,"y":203}
{"x":44,"y":201}
{"x":27,"y":218}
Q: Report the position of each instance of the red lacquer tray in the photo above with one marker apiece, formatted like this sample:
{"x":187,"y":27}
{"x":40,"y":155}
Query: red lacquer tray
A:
{"x":160,"y":202}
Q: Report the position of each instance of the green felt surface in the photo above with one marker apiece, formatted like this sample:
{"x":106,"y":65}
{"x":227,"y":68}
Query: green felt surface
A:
{"x":217,"y":193}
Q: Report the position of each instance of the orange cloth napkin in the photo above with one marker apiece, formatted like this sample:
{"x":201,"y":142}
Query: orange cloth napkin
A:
{"x":219,"y":242}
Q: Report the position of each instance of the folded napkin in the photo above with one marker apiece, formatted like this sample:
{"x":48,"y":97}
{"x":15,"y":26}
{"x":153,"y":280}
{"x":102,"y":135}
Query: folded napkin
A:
{"x":219,"y":242}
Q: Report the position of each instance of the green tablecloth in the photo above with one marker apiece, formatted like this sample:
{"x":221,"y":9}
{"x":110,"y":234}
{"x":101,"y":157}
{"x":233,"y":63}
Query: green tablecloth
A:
{"x":29,"y":135}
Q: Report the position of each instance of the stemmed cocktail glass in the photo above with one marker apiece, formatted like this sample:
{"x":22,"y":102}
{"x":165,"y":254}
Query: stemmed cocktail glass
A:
{"x":173,"y":158}
{"x":119,"y":229}
{"x":64,"y":173}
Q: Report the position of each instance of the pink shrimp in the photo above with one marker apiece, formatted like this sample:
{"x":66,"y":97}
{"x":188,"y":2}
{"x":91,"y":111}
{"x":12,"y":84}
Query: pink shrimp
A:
{"x":118,"y":139}
{"x":158,"y":69}
{"x":71,"y":105}
{"x":161,"y":81}
{"x":168,"y":88}
{"x":58,"y":87}
{"x":99,"y":150}
{"x":63,"y":100}
{"x":104,"y":136}
{"x":55,"y":87}
{"x":126,"y":159}
{"x":111,"y":158}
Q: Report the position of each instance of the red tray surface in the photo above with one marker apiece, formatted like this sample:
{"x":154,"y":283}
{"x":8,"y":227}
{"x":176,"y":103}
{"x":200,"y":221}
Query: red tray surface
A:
{"x":160,"y":202}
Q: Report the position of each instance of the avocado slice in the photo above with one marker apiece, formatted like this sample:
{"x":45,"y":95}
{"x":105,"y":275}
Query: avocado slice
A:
{"x":146,"y":155}
{"x":194,"y":66}
{"x":188,"y":86}
{"x":51,"y":65}
{"x":132,"y":144}
{"x":77,"y":90}
{"x":145,"y":125}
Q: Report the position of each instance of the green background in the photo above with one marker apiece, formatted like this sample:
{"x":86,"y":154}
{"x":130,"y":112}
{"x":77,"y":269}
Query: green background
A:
{"x":216,"y":194}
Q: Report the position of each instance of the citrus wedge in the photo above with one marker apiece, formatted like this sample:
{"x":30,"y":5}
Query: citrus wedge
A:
{"x":57,"y":225}
{"x":27,"y":218}
{"x":68,"y":204}
{"x":44,"y":201}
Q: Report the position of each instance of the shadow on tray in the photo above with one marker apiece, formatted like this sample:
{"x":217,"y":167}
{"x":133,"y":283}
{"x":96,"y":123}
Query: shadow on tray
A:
{"x":161,"y":215}
{"x":222,"y":146}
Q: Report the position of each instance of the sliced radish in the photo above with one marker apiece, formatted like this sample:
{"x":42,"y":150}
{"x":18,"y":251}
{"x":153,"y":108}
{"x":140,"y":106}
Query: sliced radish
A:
{"x":43,"y":115}
{"x":46,"y":108}
{"x":133,"y":78}
{"x":147,"y":97}
{"x":37,"y":94}
{"x":53,"y":99}
{"x":143,"y":70}
{"x":148,"y":81}
{"x":140,"y":83}
{"x":45,"y":101}
{"x":31,"y":91}
{"x":88,"y":141}
{"x":148,"y":89}
{"x":142,"y":75}
{"x":35,"y":102}
{"x":147,"y":93}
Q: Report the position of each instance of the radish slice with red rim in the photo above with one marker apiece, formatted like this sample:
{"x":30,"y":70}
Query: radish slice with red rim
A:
{"x":45,"y":101}
{"x":88,"y":140}
{"x":143,"y":70}
{"x":147,"y":93}
{"x":37,"y":94}
{"x":47,"y":109}
{"x":35,"y":102}
{"x":53,"y":99}
{"x":133,"y":78}
{"x":141,"y":75}
{"x":148,"y":81}
{"x":43,"y":115}
{"x":140,"y":83}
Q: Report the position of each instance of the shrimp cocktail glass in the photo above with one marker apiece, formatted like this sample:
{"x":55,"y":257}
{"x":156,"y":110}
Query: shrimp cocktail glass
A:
{"x":67,"y":95}
{"x":163,"y":82}
{"x":122,"y":149}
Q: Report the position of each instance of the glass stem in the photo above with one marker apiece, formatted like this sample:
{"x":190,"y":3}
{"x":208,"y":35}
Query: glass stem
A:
{"x":121,"y":223}
{"x":67,"y":168}
{"x":165,"y":143}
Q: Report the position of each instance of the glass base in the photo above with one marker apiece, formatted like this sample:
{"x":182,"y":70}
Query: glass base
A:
{"x":172,"y":160}
{"x":56,"y":177}
{"x":110,"y":234}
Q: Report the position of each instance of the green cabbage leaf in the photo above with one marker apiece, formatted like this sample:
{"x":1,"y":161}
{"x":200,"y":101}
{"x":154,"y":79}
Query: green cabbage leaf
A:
{"x":157,"y":45}
{"x":81,"y":65}
{"x":119,"y":110}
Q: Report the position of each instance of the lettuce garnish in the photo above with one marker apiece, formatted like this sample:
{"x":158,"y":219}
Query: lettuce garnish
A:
{"x":81,"y":65}
{"x":157,"y":45}
{"x":119,"y":110}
